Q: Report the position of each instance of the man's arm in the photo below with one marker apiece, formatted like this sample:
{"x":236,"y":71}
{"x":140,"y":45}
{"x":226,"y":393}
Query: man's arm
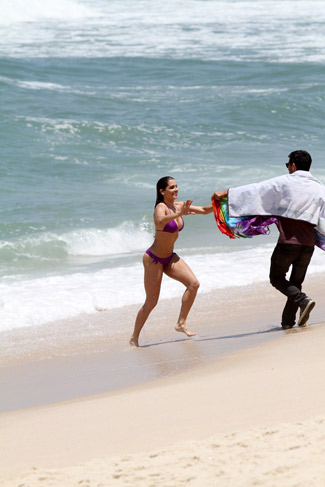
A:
{"x":218,"y":195}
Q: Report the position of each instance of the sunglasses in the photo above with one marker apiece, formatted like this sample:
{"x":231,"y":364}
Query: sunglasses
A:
{"x":288,"y":164}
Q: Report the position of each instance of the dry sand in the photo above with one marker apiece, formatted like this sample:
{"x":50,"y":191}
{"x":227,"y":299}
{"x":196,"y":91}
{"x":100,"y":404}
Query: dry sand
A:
{"x":252,"y":416}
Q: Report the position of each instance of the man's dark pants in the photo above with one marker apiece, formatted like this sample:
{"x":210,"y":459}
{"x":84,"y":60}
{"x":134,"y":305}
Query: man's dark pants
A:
{"x":285,"y":255}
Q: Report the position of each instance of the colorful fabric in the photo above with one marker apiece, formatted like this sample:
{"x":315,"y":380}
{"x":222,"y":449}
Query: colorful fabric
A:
{"x":243,"y":227}
{"x":247,"y":227}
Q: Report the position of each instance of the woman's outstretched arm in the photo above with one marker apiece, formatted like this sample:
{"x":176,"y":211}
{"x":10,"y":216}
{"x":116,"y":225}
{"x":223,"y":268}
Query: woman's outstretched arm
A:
{"x":201,"y":210}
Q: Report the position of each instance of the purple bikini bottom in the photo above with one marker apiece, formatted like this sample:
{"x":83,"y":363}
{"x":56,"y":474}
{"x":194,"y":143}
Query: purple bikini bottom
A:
{"x":162,"y":260}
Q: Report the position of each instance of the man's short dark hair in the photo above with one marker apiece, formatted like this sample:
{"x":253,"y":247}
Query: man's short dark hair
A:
{"x":301,"y":158}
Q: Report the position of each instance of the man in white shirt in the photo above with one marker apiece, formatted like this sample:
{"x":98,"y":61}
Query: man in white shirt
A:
{"x":297,"y":200}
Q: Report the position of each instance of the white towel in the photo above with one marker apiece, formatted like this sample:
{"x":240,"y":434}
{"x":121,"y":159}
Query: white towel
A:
{"x":298,"y":195}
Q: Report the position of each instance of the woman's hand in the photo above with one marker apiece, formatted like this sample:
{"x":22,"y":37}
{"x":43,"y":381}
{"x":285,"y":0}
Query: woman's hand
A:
{"x":185,"y":208}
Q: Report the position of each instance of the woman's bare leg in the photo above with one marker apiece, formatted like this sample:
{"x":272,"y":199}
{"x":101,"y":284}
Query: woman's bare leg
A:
{"x":152,"y":281}
{"x":179,"y":270}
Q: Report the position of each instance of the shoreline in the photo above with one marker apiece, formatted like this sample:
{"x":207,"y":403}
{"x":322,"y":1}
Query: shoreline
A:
{"x":96,"y":362}
{"x":96,"y":332}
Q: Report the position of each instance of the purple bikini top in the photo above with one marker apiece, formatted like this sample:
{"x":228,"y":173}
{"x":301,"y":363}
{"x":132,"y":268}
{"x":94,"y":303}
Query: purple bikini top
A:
{"x":172,"y":227}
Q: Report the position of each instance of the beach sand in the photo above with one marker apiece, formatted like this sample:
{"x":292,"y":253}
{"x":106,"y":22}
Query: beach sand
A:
{"x":242,"y":404}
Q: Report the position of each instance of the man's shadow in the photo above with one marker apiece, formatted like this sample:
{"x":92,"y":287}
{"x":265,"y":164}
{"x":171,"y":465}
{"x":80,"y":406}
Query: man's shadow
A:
{"x":217,"y":338}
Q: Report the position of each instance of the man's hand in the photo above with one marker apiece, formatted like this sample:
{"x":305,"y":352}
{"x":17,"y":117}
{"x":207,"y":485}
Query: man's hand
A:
{"x":218,"y":195}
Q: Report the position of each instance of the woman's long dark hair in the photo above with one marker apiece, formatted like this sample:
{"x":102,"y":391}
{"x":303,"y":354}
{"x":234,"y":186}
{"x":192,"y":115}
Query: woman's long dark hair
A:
{"x":162,"y":184}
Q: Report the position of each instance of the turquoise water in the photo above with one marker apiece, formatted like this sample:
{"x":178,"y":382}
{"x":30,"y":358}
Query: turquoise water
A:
{"x":101,"y":99}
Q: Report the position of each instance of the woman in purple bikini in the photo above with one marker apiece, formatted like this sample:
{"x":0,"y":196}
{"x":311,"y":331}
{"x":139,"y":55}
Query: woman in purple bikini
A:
{"x":160,"y":257}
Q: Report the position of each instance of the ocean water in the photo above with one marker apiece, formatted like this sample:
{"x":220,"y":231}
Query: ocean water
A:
{"x":100,"y":99}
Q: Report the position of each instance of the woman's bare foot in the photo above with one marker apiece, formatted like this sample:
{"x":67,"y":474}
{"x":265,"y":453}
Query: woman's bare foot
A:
{"x":184,"y":329}
{"x":134,"y":342}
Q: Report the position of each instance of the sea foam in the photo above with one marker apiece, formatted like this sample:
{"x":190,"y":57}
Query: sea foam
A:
{"x":224,"y":30}
{"x":32,"y":302}
{"x":49,"y":246}
{"x":36,"y":10}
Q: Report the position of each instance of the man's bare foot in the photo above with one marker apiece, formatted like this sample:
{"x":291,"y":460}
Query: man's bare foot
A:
{"x":134,"y":342}
{"x":184,"y":329}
